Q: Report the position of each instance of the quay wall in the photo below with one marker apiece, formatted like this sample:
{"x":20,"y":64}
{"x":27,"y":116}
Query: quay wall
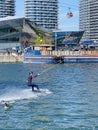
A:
{"x":4,"y":58}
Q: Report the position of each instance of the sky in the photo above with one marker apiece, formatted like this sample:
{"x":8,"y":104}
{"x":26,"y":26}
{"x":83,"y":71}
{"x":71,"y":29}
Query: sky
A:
{"x":65,"y":23}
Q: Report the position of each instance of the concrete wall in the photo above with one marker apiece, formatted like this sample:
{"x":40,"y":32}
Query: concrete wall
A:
{"x":10,"y":58}
{"x":8,"y":45}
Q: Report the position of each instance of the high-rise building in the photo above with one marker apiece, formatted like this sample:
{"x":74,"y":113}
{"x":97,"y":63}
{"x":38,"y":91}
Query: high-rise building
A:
{"x":43,"y":13}
{"x":88,"y":19}
{"x":7,"y":8}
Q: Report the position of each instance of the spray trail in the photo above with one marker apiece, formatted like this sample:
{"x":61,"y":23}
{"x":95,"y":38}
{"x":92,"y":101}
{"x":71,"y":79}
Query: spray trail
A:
{"x":20,"y":94}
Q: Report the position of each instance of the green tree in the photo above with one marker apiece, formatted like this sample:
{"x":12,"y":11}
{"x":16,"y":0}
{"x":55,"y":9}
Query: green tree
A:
{"x":40,"y":40}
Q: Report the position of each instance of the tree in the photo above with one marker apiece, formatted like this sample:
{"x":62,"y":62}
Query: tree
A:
{"x":40,"y":40}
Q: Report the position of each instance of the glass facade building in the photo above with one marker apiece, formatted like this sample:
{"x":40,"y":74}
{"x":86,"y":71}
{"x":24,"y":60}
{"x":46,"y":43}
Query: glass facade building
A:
{"x":7,"y":8}
{"x":43,"y":13}
{"x":10,"y":31}
{"x":18,"y":31}
{"x":63,"y":36}
{"x":88,"y":19}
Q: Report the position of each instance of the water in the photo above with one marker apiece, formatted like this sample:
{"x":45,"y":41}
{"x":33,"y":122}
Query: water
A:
{"x":68,"y":98}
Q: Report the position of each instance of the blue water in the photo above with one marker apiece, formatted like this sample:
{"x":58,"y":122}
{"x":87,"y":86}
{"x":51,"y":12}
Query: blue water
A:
{"x":68,"y":98}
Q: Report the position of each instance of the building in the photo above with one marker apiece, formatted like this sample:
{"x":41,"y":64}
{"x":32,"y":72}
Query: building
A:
{"x":18,"y":31}
{"x":43,"y":13}
{"x":60,"y":37}
{"x":88,"y":19}
{"x":7,"y":8}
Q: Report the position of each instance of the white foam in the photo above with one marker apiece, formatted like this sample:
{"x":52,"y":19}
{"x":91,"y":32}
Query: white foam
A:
{"x":21,"y":94}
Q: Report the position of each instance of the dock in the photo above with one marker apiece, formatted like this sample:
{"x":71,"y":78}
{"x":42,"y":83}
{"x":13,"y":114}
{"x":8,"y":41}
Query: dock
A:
{"x":61,"y":57}
{"x":51,"y":57}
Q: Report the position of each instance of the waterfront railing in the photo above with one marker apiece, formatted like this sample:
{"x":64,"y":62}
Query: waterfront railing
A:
{"x":71,"y":53}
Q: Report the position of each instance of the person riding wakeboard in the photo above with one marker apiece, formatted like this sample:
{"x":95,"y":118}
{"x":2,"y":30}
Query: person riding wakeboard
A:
{"x":29,"y":81}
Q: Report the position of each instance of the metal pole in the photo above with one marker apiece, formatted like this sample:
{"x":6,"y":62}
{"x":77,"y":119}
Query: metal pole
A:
{"x":55,"y":41}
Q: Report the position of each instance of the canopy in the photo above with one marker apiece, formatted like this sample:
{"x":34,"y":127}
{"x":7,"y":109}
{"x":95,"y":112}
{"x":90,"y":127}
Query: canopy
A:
{"x":88,"y":42}
{"x":69,"y":42}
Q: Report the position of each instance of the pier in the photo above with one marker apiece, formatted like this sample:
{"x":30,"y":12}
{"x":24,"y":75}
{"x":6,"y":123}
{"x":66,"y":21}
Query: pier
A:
{"x":61,"y":57}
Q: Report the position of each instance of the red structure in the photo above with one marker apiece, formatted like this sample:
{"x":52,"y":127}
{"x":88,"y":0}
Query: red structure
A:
{"x":69,"y":14}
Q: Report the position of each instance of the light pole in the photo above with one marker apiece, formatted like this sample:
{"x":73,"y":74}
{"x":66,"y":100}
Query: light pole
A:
{"x":55,"y":40}
{"x":87,"y":35}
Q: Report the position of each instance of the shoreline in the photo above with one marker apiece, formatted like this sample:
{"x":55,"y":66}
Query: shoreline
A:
{"x":50,"y":57}
{"x":12,"y":57}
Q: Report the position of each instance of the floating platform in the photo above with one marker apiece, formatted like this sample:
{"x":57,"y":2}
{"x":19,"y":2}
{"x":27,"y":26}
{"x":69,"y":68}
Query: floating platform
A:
{"x":81,"y":59}
{"x":36,"y":57}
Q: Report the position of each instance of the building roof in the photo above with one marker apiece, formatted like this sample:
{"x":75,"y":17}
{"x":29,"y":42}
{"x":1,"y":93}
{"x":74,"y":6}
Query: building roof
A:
{"x":10,"y":18}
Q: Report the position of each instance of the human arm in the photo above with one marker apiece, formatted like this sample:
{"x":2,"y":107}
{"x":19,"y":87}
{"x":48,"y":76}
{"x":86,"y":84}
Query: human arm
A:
{"x":34,"y":76}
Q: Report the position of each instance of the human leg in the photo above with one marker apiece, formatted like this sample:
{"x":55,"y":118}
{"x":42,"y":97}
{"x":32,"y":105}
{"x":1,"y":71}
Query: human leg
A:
{"x":32,"y":87}
{"x":36,"y":86}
